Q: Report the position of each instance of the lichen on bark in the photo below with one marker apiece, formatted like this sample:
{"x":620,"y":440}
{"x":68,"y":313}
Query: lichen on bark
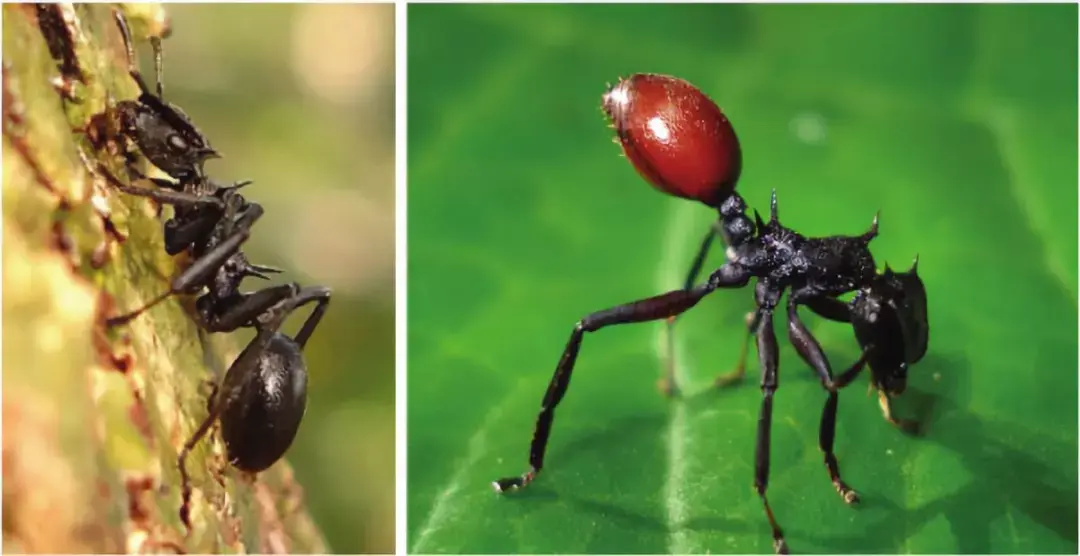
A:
{"x":93,"y":418}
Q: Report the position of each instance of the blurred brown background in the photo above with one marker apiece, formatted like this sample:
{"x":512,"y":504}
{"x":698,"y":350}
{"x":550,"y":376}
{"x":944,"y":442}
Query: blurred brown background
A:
{"x":300,"y":99}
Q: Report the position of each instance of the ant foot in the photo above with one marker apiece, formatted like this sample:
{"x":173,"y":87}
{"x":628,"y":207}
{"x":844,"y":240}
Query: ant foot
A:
{"x":209,"y":389}
{"x":847,"y":493}
{"x":730,"y":379}
{"x":667,"y":387}
{"x":906,"y":426}
{"x":65,"y":87}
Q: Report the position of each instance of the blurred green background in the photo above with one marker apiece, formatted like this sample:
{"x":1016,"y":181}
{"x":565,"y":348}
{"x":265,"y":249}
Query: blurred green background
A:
{"x":300,"y":99}
{"x":957,"y":122}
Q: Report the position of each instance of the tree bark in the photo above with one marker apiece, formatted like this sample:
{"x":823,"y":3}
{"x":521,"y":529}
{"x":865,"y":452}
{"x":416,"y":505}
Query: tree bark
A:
{"x":93,"y":418}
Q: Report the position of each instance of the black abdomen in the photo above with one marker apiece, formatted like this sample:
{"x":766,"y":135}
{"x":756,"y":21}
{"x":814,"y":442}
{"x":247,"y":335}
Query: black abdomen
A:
{"x":260,"y":425}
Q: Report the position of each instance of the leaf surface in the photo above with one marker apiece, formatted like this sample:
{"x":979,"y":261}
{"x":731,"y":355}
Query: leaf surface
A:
{"x":956,"y":122}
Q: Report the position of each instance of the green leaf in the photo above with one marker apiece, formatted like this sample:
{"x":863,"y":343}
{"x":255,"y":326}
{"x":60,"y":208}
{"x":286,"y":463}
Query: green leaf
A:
{"x":957,"y":122}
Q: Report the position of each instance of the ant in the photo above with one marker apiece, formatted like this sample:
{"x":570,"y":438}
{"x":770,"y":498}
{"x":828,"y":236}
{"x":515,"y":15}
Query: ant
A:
{"x":263,"y":396}
{"x":681,"y":143}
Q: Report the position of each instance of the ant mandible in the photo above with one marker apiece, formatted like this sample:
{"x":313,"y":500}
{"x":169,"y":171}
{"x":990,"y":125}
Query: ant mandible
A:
{"x":263,"y":396}
{"x":681,"y":143}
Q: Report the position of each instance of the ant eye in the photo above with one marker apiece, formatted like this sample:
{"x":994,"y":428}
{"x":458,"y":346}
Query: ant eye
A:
{"x":177,"y":143}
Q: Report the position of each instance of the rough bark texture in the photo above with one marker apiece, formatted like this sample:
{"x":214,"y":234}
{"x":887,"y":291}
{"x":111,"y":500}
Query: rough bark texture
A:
{"x":93,"y":419}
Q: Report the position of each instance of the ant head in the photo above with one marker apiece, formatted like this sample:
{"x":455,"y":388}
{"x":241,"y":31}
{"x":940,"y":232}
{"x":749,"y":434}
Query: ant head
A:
{"x":891,"y":316}
{"x":167,"y":137}
{"x":906,"y":295}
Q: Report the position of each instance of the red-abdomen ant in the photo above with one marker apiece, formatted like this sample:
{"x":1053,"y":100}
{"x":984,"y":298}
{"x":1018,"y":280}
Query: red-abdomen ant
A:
{"x":681,"y":143}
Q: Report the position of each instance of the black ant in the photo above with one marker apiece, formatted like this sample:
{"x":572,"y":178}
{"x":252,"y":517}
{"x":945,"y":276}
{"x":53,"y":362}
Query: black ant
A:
{"x":263,"y":396}
{"x":681,"y":142}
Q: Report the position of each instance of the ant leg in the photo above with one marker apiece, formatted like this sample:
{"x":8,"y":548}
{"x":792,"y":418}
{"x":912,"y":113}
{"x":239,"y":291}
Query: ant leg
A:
{"x":181,"y":459}
{"x":162,"y":194}
{"x":810,"y":352}
{"x":753,"y":320}
{"x":769,"y":354}
{"x":829,"y":308}
{"x":649,"y":309}
{"x":270,"y":318}
{"x":699,"y":260}
{"x":245,"y":363}
{"x":183,"y":231}
{"x":667,"y":382}
{"x":245,"y":311}
{"x":323,"y":300}
{"x":905,"y":425}
{"x":202,"y":269}
{"x":180,"y":236}
{"x":835,"y":310}
{"x":253,"y":305}
{"x":211,"y":361}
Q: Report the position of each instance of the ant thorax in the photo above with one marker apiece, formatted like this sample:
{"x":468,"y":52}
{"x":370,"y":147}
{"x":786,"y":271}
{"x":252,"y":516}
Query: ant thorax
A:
{"x":828,"y":265}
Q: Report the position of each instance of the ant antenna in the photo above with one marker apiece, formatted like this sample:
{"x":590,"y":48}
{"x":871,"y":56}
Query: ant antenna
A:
{"x":155,"y":42}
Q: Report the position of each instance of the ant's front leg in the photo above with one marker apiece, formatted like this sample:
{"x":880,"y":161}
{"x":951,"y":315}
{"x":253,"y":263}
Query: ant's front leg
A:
{"x":769,"y":354}
{"x":810,"y":351}
{"x":838,"y":311}
{"x":650,"y":309}
{"x":164,"y":193}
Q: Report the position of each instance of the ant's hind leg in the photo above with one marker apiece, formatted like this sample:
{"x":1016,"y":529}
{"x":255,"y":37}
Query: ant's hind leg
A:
{"x":810,"y":351}
{"x":320,"y":295}
{"x":768,"y":353}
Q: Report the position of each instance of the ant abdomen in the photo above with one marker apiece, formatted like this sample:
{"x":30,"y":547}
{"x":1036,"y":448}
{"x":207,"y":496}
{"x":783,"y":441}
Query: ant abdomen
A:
{"x":260,"y":424}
